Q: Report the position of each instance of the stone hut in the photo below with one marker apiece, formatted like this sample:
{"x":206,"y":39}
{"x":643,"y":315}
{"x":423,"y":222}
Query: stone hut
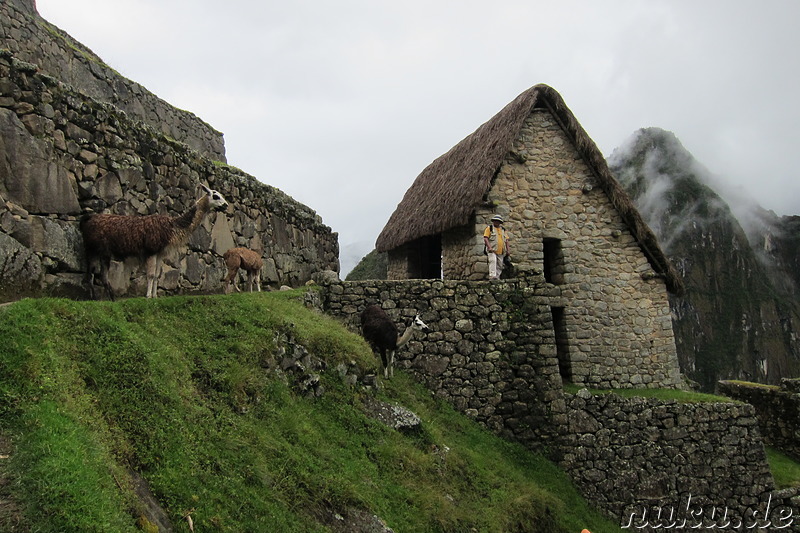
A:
{"x":568,"y":218}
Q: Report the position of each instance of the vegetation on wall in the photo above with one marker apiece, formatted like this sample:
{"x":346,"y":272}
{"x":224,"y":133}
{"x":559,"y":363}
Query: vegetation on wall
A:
{"x":661,"y":394}
{"x":188,"y":393}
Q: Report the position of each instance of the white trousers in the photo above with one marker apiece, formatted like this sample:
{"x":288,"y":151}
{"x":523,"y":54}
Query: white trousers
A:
{"x":495,"y":265}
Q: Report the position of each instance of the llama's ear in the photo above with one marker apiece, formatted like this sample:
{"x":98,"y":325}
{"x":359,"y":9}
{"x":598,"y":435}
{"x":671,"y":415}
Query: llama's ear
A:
{"x":204,"y":187}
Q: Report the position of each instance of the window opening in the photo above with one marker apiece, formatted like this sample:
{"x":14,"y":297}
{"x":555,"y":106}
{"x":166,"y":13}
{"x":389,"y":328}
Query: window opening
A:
{"x":553,"y":261}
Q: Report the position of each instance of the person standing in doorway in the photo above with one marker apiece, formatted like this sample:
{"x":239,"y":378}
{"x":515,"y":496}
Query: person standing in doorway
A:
{"x":495,"y":241}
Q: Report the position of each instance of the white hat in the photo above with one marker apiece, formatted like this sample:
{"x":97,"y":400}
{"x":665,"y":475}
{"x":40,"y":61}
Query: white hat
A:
{"x":497,"y":218}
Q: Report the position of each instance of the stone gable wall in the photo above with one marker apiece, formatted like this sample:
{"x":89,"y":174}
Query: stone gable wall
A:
{"x":616,"y":321}
{"x":616,"y":315}
{"x":63,"y":154}
{"x":777,"y":408}
{"x":34,"y":40}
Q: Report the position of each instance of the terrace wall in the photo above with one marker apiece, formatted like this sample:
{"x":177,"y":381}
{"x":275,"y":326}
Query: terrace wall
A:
{"x":777,"y":409}
{"x":491,"y":353}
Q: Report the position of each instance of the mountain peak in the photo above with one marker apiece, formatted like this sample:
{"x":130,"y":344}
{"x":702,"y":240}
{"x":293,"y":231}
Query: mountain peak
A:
{"x":737,"y":261}
{"x":666,"y":183}
{"x":661,"y":151}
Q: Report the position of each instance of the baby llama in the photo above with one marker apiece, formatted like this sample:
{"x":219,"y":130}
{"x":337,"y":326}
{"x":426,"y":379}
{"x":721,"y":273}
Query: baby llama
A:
{"x":247,"y":260}
{"x":149,"y":237}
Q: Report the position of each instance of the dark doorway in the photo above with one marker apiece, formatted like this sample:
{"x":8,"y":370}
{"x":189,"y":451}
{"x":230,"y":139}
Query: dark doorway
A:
{"x":562,"y":343}
{"x":425,"y":258}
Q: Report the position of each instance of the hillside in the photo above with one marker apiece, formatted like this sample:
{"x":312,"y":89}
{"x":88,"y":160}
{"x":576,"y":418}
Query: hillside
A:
{"x":372,"y":266}
{"x":239,"y":412}
{"x":739,"y":317}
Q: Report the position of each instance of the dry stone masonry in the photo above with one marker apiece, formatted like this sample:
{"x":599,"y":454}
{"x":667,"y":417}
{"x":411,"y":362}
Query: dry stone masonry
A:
{"x":34,"y":40}
{"x":613,"y":317}
{"x":67,"y":154}
{"x":778,"y":410}
{"x":615,"y":321}
{"x":491,"y":352}
{"x":631,"y":454}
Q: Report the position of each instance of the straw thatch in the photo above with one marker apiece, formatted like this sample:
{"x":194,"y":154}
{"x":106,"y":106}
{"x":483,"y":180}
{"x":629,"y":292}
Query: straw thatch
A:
{"x":446,"y":194}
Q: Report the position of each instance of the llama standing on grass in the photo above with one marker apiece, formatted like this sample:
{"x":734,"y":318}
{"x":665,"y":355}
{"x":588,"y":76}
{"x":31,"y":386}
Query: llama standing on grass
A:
{"x":247,"y":260}
{"x":149,"y":237}
{"x":379,"y":330}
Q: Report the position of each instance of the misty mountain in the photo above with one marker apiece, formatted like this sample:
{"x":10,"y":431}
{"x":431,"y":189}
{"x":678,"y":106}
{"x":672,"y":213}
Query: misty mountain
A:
{"x":740,"y":316}
{"x":374,"y":265}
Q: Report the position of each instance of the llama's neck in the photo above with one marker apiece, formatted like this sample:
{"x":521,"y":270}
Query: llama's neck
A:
{"x":405,"y":337}
{"x":188,"y":221}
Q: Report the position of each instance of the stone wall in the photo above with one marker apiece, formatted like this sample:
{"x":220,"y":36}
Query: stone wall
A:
{"x":63,"y":154}
{"x":616,"y":317}
{"x":34,"y":40}
{"x":490,"y":350}
{"x":632,"y":454}
{"x":778,"y":410}
{"x":491,"y":353}
{"x":398,"y":265}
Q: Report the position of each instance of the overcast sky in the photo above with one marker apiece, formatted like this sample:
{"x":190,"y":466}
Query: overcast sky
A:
{"x":341,"y":104}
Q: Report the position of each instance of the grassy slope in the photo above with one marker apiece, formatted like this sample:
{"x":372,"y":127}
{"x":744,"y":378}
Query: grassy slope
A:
{"x":785,"y":469}
{"x":187,"y":392}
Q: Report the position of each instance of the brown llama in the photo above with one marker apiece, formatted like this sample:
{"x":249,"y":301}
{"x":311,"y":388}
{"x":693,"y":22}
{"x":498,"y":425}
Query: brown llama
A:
{"x":247,"y":260}
{"x":148,"y":237}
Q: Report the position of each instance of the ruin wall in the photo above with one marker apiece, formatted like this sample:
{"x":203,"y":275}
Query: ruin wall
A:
{"x":34,"y":40}
{"x":63,"y":154}
{"x":490,"y":352}
{"x":656,"y":464}
{"x":777,"y":408}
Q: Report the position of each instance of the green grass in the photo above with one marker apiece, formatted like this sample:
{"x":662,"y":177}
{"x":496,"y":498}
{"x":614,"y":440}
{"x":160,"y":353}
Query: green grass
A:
{"x":785,"y":470}
{"x":188,"y":392}
{"x":661,"y":394}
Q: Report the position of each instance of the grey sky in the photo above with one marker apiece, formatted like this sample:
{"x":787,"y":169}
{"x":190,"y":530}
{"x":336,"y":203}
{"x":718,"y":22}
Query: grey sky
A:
{"x":342,"y":104}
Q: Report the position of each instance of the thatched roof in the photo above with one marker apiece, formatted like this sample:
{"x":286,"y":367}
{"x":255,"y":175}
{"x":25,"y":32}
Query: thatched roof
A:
{"x":446,"y":194}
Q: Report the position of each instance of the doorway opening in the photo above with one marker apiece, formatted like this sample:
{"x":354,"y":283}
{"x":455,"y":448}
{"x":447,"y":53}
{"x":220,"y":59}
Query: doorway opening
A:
{"x":425,"y":258}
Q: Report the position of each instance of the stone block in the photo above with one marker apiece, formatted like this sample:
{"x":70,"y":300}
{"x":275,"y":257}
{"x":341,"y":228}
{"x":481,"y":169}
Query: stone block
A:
{"x":32,"y":179}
